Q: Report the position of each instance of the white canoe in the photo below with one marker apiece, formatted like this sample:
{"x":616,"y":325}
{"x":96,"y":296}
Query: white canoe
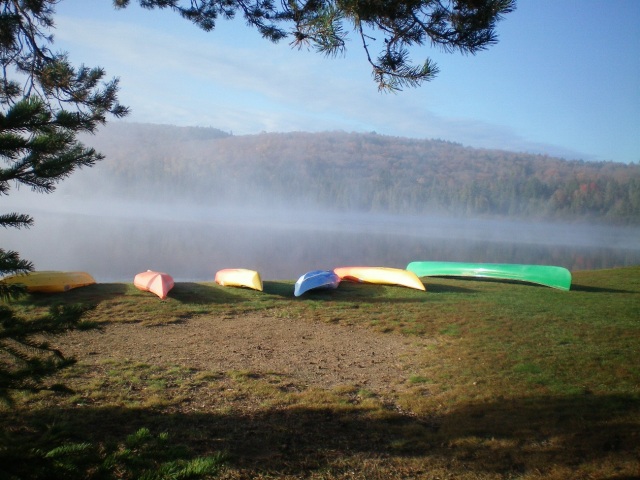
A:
{"x":239,"y":277}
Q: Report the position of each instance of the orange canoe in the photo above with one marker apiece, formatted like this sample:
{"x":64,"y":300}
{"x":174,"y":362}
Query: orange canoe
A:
{"x":154,"y":282}
{"x":380,"y":275}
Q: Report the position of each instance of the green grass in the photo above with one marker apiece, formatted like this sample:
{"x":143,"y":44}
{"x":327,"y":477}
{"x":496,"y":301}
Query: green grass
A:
{"x":517,"y":381}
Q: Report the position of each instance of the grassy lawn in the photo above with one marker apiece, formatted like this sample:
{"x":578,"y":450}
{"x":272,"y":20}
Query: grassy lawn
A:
{"x":514,"y":381}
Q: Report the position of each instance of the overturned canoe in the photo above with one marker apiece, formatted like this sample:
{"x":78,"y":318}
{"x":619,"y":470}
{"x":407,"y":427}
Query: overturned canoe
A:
{"x":316,"y":279}
{"x":550,"y":276}
{"x":51,"y":281}
{"x":155,"y":282}
{"x":239,"y":277}
{"x":380,"y":275}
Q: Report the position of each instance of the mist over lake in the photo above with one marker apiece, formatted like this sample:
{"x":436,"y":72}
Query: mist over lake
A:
{"x":115,"y":240}
{"x":191,"y":201}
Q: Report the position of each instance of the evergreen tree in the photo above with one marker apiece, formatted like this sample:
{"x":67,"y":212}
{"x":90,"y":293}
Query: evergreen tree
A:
{"x":44,"y":103}
{"x":392,"y":27}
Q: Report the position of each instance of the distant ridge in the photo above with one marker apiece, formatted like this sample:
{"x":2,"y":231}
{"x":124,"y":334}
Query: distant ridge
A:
{"x":357,"y":171}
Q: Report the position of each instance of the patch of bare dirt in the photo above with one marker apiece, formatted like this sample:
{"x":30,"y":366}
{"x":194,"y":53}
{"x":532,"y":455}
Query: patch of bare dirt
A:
{"x":308,"y":351}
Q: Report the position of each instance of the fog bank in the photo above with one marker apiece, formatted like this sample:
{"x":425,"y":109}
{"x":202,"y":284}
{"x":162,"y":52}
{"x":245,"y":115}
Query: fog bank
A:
{"x":113,"y":240}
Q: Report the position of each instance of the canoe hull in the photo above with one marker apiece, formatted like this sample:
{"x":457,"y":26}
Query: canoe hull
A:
{"x":316,"y":280}
{"x":550,"y":276}
{"x":51,"y":281}
{"x":158,"y":283}
{"x":239,"y":277}
{"x":380,"y":275}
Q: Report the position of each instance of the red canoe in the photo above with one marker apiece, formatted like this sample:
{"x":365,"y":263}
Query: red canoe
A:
{"x":154,"y":282}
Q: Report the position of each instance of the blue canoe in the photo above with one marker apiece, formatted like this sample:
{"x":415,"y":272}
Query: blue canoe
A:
{"x":316,"y":279}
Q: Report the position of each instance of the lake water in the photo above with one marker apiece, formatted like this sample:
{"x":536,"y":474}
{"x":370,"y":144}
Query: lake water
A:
{"x":192,"y":243}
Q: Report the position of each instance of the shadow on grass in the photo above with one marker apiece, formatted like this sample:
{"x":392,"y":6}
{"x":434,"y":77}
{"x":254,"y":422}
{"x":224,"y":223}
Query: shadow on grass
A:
{"x":91,"y":294}
{"x":457,"y":289}
{"x":591,"y":289}
{"x":372,"y":292}
{"x":184,"y":292}
{"x":499,"y":438}
{"x":440,"y":288}
{"x":202,"y":294}
{"x":505,"y":281}
{"x":280,"y":289}
{"x":348,"y":291}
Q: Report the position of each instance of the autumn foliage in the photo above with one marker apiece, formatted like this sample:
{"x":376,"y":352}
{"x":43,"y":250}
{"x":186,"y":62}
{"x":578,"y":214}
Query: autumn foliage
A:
{"x":359,"y":172}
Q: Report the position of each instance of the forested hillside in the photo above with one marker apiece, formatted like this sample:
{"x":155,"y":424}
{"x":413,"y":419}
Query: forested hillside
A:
{"x":362,"y":172}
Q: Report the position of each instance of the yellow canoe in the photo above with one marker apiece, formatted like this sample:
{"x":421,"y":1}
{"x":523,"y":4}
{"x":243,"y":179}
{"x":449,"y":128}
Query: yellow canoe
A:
{"x":380,"y":275}
{"x":239,"y":277}
{"x":155,"y":282}
{"x":51,"y":281}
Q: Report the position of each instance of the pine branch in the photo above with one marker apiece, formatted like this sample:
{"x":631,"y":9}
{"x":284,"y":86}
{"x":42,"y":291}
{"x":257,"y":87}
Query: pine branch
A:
{"x":464,"y":25}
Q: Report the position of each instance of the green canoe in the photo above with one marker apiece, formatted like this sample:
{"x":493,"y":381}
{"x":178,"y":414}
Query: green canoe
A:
{"x":555,"y":277}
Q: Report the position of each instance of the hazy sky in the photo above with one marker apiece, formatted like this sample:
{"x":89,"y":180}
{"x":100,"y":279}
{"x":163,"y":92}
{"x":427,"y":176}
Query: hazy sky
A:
{"x":564,"y":79}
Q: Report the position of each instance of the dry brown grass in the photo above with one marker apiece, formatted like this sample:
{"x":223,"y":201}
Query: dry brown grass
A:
{"x":493,"y":380}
